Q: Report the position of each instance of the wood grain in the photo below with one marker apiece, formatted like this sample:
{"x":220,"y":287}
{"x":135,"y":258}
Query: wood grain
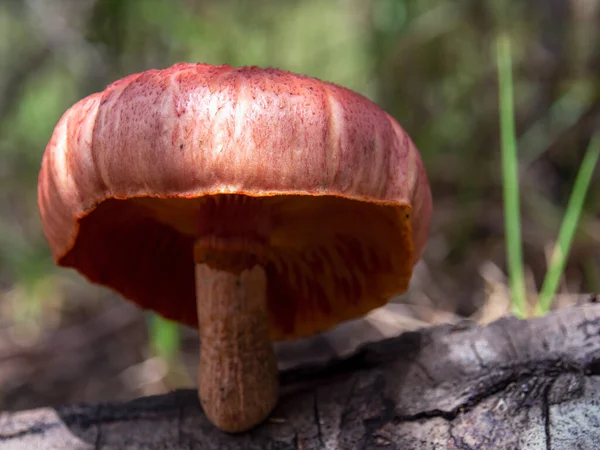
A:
{"x":510,"y":385}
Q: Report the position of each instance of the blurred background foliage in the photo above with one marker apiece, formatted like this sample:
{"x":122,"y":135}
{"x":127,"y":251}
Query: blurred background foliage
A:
{"x":430,"y":63}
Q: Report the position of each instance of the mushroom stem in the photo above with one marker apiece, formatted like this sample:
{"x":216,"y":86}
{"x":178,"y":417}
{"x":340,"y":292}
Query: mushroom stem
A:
{"x":238,"y":379}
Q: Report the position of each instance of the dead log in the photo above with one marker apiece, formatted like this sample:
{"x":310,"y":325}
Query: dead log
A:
{"x":510,"y":385}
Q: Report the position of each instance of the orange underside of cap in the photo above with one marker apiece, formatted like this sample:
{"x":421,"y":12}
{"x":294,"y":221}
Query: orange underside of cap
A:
{"x":327,"y":259}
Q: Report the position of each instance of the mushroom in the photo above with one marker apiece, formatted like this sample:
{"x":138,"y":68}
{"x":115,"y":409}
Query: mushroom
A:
{"x":254,"y":204}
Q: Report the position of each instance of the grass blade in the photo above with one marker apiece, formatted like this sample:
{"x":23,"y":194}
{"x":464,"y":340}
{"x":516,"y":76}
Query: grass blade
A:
{"x":164,"y":337}
{"x":562,"y":247}
{"x":510,"y":177}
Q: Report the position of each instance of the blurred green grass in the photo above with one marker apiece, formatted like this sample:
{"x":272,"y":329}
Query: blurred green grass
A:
{"x":512,"y":213}
{"x":568,"y":229}
{"x":427,"y":62}
{"x":510,"y":178}
{"x":164,"y":337}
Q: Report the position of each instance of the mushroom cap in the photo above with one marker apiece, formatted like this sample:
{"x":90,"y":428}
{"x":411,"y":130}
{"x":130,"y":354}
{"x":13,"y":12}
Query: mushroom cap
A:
{"x":316,"y":182}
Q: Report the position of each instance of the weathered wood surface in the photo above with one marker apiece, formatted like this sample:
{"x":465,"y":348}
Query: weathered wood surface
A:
{"x":510,"y":385}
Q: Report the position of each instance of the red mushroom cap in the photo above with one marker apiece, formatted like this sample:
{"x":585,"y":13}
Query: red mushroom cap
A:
{"x":314,"y":181}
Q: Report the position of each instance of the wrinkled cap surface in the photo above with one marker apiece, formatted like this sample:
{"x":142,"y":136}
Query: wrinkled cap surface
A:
{"x":310,"y":180}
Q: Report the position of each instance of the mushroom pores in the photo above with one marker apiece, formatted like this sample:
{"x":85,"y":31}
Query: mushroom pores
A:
{"x":286,"y":196}
{"x":327,"y":259}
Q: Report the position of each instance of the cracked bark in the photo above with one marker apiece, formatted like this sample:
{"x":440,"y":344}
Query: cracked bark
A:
{"x":510,"y":385}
